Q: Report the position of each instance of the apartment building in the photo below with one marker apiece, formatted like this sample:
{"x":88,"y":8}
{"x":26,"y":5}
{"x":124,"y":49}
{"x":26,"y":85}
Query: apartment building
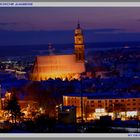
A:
{"x":124,"y":105}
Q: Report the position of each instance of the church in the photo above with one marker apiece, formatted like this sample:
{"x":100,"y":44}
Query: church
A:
{"x":61,"y":66}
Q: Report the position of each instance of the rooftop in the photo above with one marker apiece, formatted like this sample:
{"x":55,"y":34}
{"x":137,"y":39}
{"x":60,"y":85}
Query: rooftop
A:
{"x":106,"y":95}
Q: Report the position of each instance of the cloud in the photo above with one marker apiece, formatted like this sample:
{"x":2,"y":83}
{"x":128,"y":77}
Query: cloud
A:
{"x":16,"y":26}
{"x":108,"y":30}
{"x":8,"y":24}
{"x":138,"y":20}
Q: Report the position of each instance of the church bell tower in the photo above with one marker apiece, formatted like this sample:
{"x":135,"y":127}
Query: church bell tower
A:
{"x":79,"y":44}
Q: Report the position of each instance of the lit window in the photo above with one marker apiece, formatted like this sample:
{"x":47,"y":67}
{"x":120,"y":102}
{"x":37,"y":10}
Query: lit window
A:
{"x":99,"y":101}
{"x":99,"y":110}
{"x":67,"y":110}
{"x":131,"y":113}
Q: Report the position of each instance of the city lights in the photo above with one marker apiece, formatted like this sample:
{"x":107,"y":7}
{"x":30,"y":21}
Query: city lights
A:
{"x":88,"y":81}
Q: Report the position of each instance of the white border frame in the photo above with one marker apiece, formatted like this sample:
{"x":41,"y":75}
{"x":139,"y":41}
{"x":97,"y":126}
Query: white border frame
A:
{"x":69,"y":4}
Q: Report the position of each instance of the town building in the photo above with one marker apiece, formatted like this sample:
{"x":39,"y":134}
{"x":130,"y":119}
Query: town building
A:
{"x":61,"y":66}
{"x":116,"y":105}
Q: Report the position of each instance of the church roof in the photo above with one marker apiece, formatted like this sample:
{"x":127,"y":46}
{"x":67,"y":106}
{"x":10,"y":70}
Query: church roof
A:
{"x":57,"y":64}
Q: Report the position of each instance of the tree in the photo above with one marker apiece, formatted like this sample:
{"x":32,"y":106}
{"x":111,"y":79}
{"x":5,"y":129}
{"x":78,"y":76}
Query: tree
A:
{"x":13,"y":107}
{"x":47,"y":96}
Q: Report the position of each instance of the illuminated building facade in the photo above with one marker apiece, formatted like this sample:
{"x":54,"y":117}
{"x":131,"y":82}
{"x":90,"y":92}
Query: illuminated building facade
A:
{"x":96,"y":105}
{"x":79,"y":44}
{"x":61,"y":66}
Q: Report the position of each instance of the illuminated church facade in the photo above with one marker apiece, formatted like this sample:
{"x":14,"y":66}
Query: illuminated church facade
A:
{"x":61,"y":66}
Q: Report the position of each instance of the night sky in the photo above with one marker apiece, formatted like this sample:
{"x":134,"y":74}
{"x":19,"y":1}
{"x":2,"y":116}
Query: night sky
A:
{"x":21,"y":26}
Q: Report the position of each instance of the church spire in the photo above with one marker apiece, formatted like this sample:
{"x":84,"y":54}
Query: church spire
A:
{"x":78,"y":24}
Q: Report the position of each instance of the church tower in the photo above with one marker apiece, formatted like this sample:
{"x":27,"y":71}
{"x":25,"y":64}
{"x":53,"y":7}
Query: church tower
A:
{"x":79,"y":44}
